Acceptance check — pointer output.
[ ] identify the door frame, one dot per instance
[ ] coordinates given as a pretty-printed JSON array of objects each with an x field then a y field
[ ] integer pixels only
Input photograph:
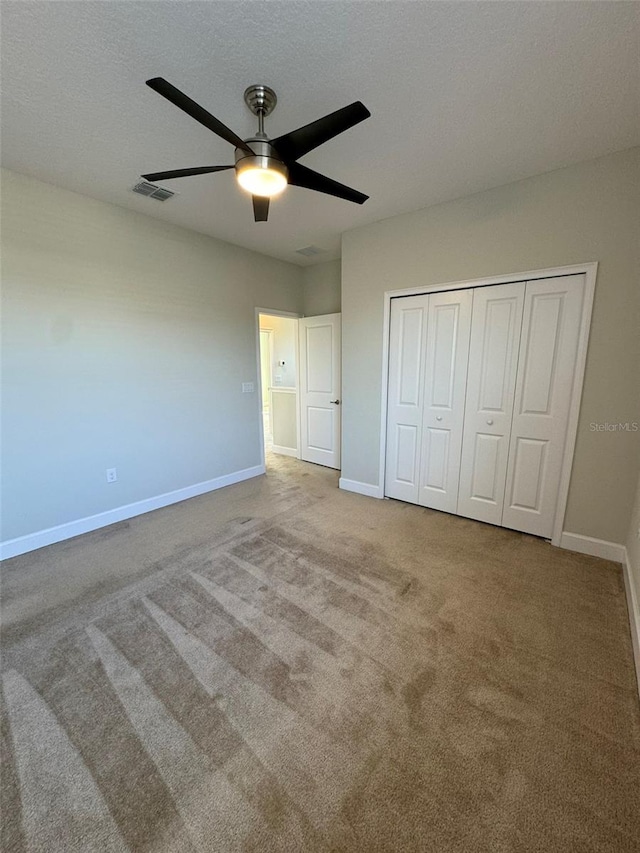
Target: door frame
[
  {"x": 589, "y": 270},
  {"x": 273, "y": 312},
  {"x": 269, "y": 333}
]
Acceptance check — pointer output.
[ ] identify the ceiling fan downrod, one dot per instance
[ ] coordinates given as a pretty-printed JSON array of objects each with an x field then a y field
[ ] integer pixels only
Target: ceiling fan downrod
[{"x": 262, "y": 101}]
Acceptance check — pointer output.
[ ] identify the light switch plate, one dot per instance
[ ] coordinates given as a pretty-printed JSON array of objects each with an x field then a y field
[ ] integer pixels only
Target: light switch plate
[{"x": 247, "y": 387}]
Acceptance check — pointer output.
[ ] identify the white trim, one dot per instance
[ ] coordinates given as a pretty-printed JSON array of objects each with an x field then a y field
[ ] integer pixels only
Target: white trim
[
  {"x": 275, "y": 312},
  {"x": 298, "y": 395},
  {"x": 269, "y": 334},
  {"x": 576, "y": 397},
  {"x": 593, "y": 547},
  {"x": 23, "y": 544},
  {"x": 511, "y": 278},
  {"x": 634, "y": 612},
  {"x": 285, "y": 451},
  {"x": 386, "y": 333},
  {"x": 589, "y": 270},
  {"x": 367, "y": 489}
]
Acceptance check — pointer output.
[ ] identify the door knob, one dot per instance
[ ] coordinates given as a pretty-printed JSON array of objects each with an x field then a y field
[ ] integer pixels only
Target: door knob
[
  {"x": 489, "y": 421},
  {"x": 438, "y": 417},
  {"x": 335, "y": 402}
]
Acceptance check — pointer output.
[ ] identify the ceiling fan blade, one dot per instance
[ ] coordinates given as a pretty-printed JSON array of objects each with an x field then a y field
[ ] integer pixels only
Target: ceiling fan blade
[
  {"x": 164, "y": 88},
  {"x": 294, "y": 145},
  {"x": 260, "y": 208},
  {"x": 184, "y": 173},
  {"x": 301, "y": 176}
]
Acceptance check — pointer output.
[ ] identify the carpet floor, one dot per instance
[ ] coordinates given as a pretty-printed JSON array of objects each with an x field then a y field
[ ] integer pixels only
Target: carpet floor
[{"x": 282, "y": 666}]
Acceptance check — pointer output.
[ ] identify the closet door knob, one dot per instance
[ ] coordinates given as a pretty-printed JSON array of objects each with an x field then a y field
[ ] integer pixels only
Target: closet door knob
[
  {"x": 438, "y": 417},
  {"x": 489, "y": 421},
  {"x": 335, "y": 402}
]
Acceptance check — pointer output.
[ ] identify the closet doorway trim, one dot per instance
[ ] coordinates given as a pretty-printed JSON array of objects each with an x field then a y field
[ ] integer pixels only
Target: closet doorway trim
[{"x": 589, "y": 270}]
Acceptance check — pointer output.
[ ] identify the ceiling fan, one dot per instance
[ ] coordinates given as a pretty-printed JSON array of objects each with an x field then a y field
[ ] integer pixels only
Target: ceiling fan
[{"x": 265, "y": 166}]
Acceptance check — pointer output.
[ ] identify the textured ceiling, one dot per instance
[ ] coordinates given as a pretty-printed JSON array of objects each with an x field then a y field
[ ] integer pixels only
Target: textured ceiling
[{"x": 463, "y": 95}]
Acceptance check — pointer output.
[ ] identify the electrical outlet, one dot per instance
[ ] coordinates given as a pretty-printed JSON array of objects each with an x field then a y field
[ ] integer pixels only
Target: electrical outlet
[
  {"x": 112, "y": 475},
  {"x": 247, "y": 387}
]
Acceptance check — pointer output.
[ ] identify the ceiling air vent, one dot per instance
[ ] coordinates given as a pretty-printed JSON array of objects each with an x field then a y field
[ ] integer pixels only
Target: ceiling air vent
[
  {"x": 310, "y": 251},
  {"x": 152, "y": 191}
]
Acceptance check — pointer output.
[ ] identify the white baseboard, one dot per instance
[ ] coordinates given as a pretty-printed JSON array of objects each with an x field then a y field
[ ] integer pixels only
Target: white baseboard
[
  {"x": 367, "y": 489},
  {"x": 285, "y": 451},
  {"x": 23, "y": 544},
  {"x": 633, "y": 603},
  {"x": 593, "y": 547},
  {"x": 617, "y": 553}
]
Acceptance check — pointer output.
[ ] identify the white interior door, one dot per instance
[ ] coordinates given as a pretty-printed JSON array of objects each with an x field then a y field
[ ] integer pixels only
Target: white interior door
[
  {"x": 550, "y": 330},
  {"x": 320, "y": 380},
  {"x": 405, "y": 396},
  {"x": 493, "y": 359},
  {"x": 445, "y": 379}
]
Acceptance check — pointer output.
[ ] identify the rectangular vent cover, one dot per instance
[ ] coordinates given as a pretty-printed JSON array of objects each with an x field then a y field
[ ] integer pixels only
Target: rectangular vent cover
[
  {"x": 152, "y": 191},
  {"x": 309, "y": 251}
]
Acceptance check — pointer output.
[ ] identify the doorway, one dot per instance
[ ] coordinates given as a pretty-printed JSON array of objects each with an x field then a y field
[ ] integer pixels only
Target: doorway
[
  {"x": 278, "y": 344},
  {"x": 300, "y": 386}
]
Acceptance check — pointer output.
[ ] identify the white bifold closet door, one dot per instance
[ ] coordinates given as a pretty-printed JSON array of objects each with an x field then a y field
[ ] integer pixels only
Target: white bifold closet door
[
  {"x": 544, "y": 385},
  {"x": 480, "y": 386},
  {"x": 429, "y": 344},
  {"x": 405, "y": 395},
  {"x": 493, "y": 362}
]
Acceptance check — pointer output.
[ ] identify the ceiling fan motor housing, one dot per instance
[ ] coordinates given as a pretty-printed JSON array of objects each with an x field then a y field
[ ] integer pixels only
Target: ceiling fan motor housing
[{"x": 265, "y": 157}]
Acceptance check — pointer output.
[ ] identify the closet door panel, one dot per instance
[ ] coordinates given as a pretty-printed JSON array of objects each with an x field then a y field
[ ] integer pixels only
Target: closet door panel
[
  {"x": 445, "y": 376},
  {"x": 436, "y": 447},
  {"x": 493, "y": 359},
  {"x": 485, "y": 467},
  {"x": 405, "y": 396},
  {"x": 549, "y": 343}
]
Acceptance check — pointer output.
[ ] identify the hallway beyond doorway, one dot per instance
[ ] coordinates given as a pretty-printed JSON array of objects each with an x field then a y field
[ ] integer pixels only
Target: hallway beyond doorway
[{"x": 278, "y": 336}]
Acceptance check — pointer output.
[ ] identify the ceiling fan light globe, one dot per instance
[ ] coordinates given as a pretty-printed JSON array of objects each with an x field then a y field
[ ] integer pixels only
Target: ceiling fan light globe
[{"x": 262, "y": 176}]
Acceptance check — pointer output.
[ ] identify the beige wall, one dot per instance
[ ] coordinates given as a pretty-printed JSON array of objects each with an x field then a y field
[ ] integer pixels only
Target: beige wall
[
  {"x": 588, "y": 212},
  {"x": 125, "y": 344},
  {"x": 322, "y": 284}
]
